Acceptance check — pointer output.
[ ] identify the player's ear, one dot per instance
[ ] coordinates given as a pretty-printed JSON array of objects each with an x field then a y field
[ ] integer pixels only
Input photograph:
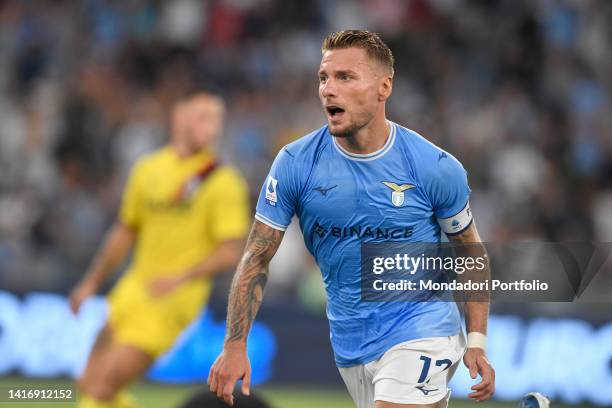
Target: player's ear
[{"x": 385, "y": 87}]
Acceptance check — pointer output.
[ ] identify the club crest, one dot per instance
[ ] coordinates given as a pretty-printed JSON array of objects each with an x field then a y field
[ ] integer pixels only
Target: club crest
[{"x": 397, "y": 196}]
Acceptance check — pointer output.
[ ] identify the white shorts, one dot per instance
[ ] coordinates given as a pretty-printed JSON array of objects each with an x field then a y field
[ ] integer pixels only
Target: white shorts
[{"x": 413, "y": 372}]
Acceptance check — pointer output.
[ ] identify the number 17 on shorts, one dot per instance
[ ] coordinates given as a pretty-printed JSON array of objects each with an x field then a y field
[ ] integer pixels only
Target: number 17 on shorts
[{"x": 413, "y": 372}]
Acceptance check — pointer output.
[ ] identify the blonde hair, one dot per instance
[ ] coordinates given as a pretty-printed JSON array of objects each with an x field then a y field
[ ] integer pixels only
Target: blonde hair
[{"x": 367, "y": 40}]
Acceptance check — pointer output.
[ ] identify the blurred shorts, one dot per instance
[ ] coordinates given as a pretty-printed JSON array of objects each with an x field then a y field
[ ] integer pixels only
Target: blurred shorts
[
  {"x": 147, "y": 323},
  {"x": 413, "y": 372}
]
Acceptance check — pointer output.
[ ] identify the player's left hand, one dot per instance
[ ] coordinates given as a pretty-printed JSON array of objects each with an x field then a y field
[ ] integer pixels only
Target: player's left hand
[
  {"x": 232, "y": 365},
  {"x": 476, "y": 361},
  {"x": 164, "y": 285}
]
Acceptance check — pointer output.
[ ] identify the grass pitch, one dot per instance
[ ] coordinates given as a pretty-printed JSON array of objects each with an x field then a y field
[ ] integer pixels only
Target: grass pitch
[{"x": 153, "y": 395}]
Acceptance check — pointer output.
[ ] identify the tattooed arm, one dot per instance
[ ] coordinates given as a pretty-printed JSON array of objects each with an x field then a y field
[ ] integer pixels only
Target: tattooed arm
[
  {"x": 476, "y": 314},
  {"x": 248, "y": 284},
  {"x": 476, "y": 303},
  {"x": 245, "y": 298}
]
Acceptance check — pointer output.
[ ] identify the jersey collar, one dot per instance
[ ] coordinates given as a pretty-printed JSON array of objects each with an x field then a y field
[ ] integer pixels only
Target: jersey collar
[{"x": 369, "y": 156}]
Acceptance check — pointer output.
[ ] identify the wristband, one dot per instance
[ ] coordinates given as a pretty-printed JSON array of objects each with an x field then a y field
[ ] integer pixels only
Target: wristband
[{"x": 477, "y": 340}]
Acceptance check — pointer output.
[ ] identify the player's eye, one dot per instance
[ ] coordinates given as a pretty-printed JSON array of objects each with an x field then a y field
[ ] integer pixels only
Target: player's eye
[
  {"x": 322, "y": 78},
  {"x": 344, "y": 77}
]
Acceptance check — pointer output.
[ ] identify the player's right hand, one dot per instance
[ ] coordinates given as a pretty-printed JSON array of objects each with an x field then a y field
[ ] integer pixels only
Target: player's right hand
[
  {"x": 476, "y": 362},
  {"x": 79, "y": 294},
  {"x": 232, "y": 365}
]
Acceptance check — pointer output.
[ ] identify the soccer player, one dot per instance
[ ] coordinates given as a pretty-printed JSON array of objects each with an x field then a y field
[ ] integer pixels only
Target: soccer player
[
  {"x": 346, "y": 181},
  {"x": 185, "y": 215}
]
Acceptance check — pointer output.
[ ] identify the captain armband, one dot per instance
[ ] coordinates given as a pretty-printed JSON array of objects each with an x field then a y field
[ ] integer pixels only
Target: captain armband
[{"x": 457, "y": 223}]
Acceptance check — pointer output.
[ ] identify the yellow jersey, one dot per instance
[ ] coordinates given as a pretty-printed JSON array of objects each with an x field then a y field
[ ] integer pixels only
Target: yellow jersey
[
  {"x": 180, "y": 209},
  {"x": 179, "y": 214}
]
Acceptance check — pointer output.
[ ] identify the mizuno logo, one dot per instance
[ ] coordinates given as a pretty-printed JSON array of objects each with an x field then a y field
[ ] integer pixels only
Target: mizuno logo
[
  {"x": 323, "y": 190},
  {"x": 424, "y": 390}
]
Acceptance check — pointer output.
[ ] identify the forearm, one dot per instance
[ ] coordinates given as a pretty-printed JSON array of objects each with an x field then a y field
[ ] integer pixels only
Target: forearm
[
  {"x": 476, "y": 316},
  {"x": 475, "y": 302},
  {"x": 248, "y": 285},
  {"x": 476, "y": 307},
  {"x": 117, "y": 245},
  {"x": 224, "y": 257}
]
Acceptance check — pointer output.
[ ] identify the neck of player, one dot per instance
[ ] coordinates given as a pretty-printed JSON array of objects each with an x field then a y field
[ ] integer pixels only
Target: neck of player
[
  {"x": 369, "y": 138},
  {"x": 182, "y": 148}
]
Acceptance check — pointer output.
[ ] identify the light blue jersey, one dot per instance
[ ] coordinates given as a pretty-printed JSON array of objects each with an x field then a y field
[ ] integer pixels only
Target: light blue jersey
[{"x": 344, "y": 199}]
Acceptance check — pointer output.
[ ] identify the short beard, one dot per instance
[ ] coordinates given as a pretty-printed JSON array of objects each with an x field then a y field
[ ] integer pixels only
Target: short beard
[{"x": 350, "y": 132}]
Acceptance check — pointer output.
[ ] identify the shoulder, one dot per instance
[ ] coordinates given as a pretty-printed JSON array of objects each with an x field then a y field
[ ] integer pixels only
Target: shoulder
[
  {"x": 431, "y": 161},
  {"x": 225, "y": 181},
  {"x": 228, "y": 176},
  {"x": 308, "y": 147},
  {"x": 147, "y": 164},
  {"x": 418, "y": 146},
  {"x": 152, "y": 160}
]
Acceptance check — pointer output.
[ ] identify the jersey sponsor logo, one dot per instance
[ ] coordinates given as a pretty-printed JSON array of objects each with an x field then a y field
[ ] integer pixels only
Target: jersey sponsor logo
[
  {"x": 324, "y": 190},
  {"x": 319, "y": 230},
  {"x": 397, "y": 196},
  {"x": 271, "y": 197},
  {"x": 359, "y": 231},
  {"x": 442, "y": 155}
]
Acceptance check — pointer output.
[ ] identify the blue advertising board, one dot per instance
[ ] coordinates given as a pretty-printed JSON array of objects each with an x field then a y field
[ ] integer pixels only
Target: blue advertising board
[{"x": 568, "y": 359}]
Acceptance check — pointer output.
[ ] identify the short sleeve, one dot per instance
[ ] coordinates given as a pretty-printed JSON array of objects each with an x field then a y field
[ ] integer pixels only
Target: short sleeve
[
  {"x": 278, "y": 196},
  {"x": 449, "y": 193},
  {"x": 130, "y": 213},
  {"x": 230, "y": 207}
]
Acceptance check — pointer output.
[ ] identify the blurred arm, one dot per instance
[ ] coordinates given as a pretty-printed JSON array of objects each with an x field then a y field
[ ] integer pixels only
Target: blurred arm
[
  {"x": 225, "y": 256},
  {"x": 117, "y": 245},
  {"x": 115, "y": 249},
  {"x": 247, "y": 289}
]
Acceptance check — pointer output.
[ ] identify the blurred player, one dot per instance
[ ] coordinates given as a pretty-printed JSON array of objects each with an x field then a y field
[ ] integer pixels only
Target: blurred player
[
  {"x": 186, "y": 216},
  {"x": 357, "y": 179}
]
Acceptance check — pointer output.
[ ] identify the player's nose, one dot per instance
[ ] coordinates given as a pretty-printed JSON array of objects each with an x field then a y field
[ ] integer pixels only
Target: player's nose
[{"x": 327, "y": 88}]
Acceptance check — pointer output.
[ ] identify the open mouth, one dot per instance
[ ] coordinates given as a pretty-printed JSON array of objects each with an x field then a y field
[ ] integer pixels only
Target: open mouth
[{"x": 334, "y": 111}]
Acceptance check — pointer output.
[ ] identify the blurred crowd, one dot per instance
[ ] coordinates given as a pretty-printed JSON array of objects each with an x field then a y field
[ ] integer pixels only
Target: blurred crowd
[{"x": 517, "y": 90}]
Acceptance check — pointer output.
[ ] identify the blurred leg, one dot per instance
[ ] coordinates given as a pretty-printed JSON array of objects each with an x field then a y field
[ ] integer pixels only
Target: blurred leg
[
  {"x": 110, "y": 369},
  {"x": 122, "y": 400},
  {"x": 95, "y": 360}
]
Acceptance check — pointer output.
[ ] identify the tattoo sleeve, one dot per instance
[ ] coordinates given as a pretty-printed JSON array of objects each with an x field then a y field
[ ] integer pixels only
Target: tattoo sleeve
[{"x": 248, "y": 285}]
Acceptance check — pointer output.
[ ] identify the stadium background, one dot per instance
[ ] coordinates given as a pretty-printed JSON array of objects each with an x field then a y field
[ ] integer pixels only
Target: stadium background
[{"x": 519, "y": 91}]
